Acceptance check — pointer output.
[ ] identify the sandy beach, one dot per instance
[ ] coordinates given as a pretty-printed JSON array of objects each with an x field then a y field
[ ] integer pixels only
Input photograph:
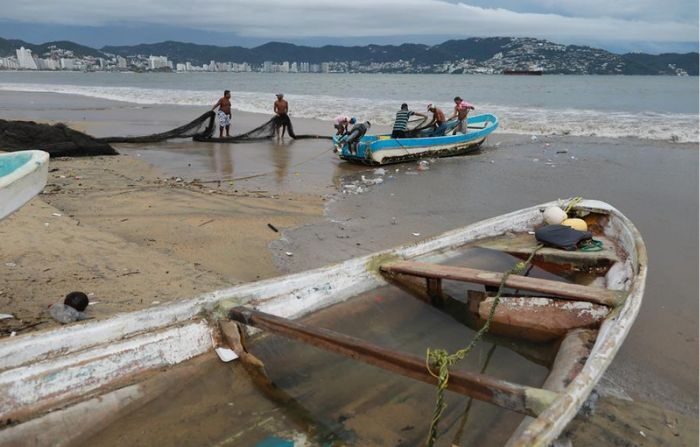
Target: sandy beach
[{"x": 171, "y": 220}]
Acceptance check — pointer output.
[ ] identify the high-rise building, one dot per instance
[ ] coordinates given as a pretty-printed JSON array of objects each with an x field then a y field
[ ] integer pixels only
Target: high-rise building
[
  {"x": 157, "y": 62},
  {"x": 121, "y": 62},
  {"x": 25, "y": 59}
]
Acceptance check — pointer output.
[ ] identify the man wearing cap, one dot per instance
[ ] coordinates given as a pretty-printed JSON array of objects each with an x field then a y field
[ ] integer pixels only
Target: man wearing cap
[
  {"x": 341, "y": 123},
  {"x": 438, "y": 121},
  {"x": 281, "y": 109}
]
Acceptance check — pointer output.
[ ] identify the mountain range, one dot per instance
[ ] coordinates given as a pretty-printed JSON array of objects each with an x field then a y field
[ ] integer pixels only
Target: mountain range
[{"x": 508, "y": 52}]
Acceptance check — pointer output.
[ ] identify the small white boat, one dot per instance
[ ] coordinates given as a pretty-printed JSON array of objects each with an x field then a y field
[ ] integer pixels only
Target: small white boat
[
  {"x": 22, "y": 176},
  {"x": 88, "y": 369}
]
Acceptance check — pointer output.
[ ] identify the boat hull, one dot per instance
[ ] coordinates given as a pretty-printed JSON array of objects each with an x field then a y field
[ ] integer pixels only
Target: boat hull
[
  {"x": 45, "y": 370},
  {"x": 22, "y": 176},
  {"x": 381, "y": 150}
]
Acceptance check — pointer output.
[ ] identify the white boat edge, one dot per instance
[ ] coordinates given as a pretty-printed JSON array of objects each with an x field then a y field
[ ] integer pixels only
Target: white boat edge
[
  {"x": 23, "y": 183},
  {"x": 45, "y": 369}
]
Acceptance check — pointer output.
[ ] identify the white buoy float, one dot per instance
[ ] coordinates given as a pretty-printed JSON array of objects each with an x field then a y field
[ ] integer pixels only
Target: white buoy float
[{"x": 554, "y": 215}]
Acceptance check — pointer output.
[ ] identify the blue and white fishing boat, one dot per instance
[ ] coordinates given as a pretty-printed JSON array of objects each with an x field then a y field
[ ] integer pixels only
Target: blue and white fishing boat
[
  {"x": 382, "y": 149},
  {"x": 22, "y": 176}
]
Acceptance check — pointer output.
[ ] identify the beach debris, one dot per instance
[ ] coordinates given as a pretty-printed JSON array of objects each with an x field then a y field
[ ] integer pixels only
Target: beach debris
[
  {"x": 205, "y": 223},
  {"x": 225, "y": 355},
  {"x": 372, "y": 181},
  {"x": 394, "y": 221},
  {"x": 56, "y": 214},
  {"x": 535, "y": 160},
  {"x": 10, "y": 265},
  {"x": 65, "y": 314},
  {"x": 416, "y": 234},
  {"x": 6, "y": 316},
  {"x": 493, "y": 162},
  {"x": 423, "y": 165},
  {"x": 380, "y": 171},
  {"x": 273, "y": 228},
  {"x": 533, "y": 138},
  {"x": 563, "y": 151},
  {"x": 411, "y": 173},
  {"x": 289, "y": 253},
  {"x": 155, "y": 302}
]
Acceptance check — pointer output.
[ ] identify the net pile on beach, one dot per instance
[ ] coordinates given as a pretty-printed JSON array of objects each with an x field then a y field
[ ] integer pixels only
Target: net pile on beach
[{"x": 58, "y": 140}]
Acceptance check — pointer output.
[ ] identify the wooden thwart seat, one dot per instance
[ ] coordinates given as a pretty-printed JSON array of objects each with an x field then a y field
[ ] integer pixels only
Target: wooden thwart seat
[
  {"x": 555, "y": 288},
  {"x": 519, "y": 398}
]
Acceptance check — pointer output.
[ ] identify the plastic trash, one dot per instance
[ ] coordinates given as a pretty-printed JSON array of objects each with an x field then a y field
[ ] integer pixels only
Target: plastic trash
[
  {"x": 380, "y": 171},
  {"x": 423, "y": 165},
  {"x": 65, "y": 314}
]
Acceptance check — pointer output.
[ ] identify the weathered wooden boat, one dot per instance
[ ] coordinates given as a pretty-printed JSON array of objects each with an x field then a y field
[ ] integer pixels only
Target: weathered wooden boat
[
  {"x": 22, "y": 176},
  {"x": 382, "y": 149},
  {"x": 89, "y": 370}
]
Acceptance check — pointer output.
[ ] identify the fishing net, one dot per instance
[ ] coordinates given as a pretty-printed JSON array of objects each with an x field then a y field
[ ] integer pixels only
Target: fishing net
[
  {"x": 201, "y": 127},
  {"x": 262, "y": 132},
  {"x": 58, "y": 140}
]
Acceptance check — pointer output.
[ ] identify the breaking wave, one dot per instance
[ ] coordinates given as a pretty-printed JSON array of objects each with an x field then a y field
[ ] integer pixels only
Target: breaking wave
[{"x": 677, "y": 127}]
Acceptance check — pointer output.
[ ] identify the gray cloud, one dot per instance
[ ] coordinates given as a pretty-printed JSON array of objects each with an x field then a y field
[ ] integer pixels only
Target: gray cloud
[{"x": 620, "y": 20}]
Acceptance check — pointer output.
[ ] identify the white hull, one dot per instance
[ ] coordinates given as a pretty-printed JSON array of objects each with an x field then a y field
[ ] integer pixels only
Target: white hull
[
  {"x": 43, "y": 370},
  {"x": 19, "y": 182}
]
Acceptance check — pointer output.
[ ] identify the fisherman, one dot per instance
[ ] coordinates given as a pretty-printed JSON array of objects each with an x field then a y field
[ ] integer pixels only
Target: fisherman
[
  {"x": 281, "y": 108},
  {"x": 352, "y": 138},
  {"x": 401, "y": 121},
  {"x": 438, "y": 121},
  {"x": 224, "y": 113},
  {"x": 341, "y": 123},
  {"x": 461, "y": 111}
]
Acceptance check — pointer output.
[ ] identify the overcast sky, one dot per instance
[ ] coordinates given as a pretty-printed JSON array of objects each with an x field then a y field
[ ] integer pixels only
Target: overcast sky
[{"x": 617, "y": 23}]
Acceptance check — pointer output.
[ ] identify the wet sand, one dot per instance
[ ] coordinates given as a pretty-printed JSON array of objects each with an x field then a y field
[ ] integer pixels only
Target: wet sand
[{"x": 654, "y": 183}]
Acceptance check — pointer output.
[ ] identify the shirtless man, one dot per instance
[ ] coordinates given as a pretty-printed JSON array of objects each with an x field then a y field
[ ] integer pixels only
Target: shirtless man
[
  {"x": 438, "y": 121},
  {"x": 224, "y": 113},
  {"x": 281, "y": 108},
  {"x": 462, "y": 109}
]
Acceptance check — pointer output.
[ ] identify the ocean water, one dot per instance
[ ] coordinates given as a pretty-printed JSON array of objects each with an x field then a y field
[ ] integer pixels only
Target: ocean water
[{"x": 645, "y": 107}]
